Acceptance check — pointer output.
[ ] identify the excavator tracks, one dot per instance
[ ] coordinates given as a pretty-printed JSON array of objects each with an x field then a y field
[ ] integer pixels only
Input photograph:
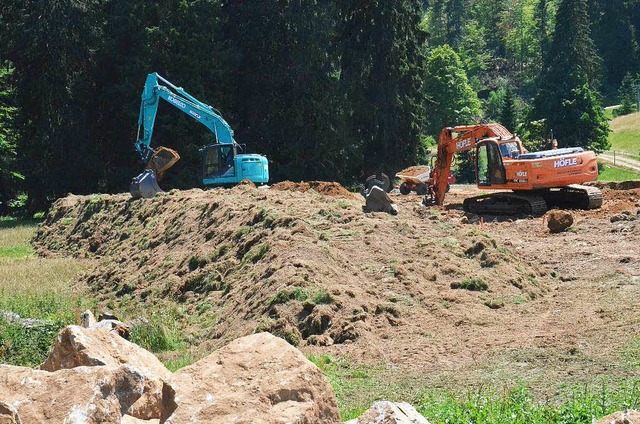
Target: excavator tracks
[
  {"x": 506, "y": 204},
  {"x": 582, "y": 196},
  {"x": 574, "y": 196}
]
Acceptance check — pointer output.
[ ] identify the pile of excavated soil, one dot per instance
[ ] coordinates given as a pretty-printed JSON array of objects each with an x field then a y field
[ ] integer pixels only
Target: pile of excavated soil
[
  {"x": 322, "y": 187},
  {"x": 414, "y": 171},
  {"x": 420, "y": 288}
]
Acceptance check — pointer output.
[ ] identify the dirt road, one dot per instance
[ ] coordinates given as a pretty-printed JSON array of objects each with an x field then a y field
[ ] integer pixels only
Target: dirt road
[{"x": 618, "y": 160}]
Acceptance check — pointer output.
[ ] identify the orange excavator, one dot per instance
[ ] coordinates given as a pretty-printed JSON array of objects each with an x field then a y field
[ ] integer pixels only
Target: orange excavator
[{"x": 537, "y": 180}]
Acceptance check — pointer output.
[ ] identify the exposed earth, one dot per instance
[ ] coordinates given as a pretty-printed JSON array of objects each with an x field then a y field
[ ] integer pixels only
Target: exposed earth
[{"x": 453, "y": 298}]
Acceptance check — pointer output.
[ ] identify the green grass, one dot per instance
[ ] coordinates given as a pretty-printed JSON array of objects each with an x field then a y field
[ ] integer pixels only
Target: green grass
[
  {"x": 156, "y": 336},
  {"x": 34, "y": 287},
  {"x": 625, "y": 134},
  {"x": 472, "y": 284},
  {"x": 614, "y": 173},
  {"x": 358, "y": 386}
]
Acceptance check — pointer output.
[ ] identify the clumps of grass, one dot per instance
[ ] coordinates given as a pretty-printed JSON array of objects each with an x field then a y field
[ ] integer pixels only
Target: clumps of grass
[
  {"x": 471, "y": 284},
  {"x": 220, "y": 252},
  {"x": 181, "y": 360},
  {"x": 449, "y": 242},
  {"x": 196, "y": 262},
  {"x": 344, "y": 204},
  {"x": 318, "y": 296},
  {"x": 155, "y": 336},
  {"x": 322, "y": 297},
  {"x": 256, "y": 253},
  {"x": 205, "y": 283},
  {"x": 389, "y": 308},
  {"x": 241, "y": 233},
  {"x": 494, "y": 303}
]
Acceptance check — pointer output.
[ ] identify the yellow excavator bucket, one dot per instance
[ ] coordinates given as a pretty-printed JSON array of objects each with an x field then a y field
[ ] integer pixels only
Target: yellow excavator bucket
[{"x": 162, "y": 159}]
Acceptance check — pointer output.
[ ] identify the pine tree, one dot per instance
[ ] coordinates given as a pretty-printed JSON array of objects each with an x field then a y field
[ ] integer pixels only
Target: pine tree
[
  {"x": 616, "y": 42},
  {"x": 381, "y": 75},
  {"x": 8, "y": 157},
  {"x": 542, "y": 26},
  {"x": 627, "y": 96},
  {"x": 567, "y": 99},
  {"x": 54, "y": 60},
  {"x": 509, "y": 113},
  {"x": 284, "y": 86}
]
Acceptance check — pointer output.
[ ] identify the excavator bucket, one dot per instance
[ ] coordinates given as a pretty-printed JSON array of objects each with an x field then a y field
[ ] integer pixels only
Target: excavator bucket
[
  {"x": 162, "y": 159},
  {"x": 145, "y": 185}
]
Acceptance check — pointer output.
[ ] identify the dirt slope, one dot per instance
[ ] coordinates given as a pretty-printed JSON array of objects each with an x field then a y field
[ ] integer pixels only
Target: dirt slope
[
  {"x": 304, "y": 262},
  {"x": 304, "y": 265}
]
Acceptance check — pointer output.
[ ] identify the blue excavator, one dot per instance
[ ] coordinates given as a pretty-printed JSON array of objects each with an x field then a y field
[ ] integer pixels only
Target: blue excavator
[{"x": 222, "y": 165}]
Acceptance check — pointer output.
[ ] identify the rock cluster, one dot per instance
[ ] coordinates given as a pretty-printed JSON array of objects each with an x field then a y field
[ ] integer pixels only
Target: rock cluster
[{"x": 93, "y": 375}]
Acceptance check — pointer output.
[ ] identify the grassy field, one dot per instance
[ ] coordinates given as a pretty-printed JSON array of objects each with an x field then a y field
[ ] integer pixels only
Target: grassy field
[
  {"x": 614, "y": 173},
  {"x": 357, "y": 387},
  {"x": 34, "y": 287},
  {"x": 625, "y": 134}
]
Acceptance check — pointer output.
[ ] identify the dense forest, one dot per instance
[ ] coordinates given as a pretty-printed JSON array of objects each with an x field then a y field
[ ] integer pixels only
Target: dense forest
[{"x": 326, "y": 89}]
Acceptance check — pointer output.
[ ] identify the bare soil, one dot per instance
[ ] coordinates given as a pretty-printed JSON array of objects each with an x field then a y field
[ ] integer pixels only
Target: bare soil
[{"x": 460, "y": 299}]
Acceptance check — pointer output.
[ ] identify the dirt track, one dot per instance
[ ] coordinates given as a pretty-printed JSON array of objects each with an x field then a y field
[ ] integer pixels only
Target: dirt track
[{"x": 314, "y": 269}]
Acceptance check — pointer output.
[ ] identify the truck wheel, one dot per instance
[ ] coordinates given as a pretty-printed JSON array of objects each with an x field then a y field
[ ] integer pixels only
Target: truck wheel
[
  {"x": 422, "y": 189},
  {"x": 404, "y": 189}
]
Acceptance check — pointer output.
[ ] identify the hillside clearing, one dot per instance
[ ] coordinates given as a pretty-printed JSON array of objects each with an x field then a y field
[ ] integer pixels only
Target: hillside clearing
[{"x": 625, "y": 134}]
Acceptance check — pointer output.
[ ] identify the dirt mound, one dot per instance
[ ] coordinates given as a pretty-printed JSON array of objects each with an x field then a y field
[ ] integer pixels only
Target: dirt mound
[
  {"x": 414, "y": 171},
  {"x": 312, "y": 269},
  {"x": 322, "y": 187},
  {"x": 615, "y": 185}
]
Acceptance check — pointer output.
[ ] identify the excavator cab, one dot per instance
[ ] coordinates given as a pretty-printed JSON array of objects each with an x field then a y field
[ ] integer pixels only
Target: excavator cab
[
  {"x": 218, "y": 160},
  {"x": 489, "y": 167}
]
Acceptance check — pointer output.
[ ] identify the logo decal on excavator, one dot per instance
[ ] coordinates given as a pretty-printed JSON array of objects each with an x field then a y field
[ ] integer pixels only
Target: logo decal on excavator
[
  {"x": 561, "y": 163},
  {"x": 195, "y": 114},
  {"x": 521, "y": 174},
  {"x": 176, "y": 102},
  {"x": 463, "y": 143}
]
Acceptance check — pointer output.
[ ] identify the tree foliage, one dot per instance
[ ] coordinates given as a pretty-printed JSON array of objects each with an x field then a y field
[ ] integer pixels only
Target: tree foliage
[
  {"x": 628, "y": 96},
  {"x": 567, "y": 99},
  {"x": 381, "y": 76},
  {"x": 325, "y": 89},
  {"x": 450, "y": 99},
  {"x": 9, "y": 174}
]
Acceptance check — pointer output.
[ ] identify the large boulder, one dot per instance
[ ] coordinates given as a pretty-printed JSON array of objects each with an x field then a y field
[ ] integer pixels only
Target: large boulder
[
  {"x": 559, "y": 221},
  {"x": 255, "y": 379},
  {"x": 621, "y": 417},
  {"x": 385, "y": 412},
  {"x": 77, "y": 346},
  {"x": 88, "y": 395}
]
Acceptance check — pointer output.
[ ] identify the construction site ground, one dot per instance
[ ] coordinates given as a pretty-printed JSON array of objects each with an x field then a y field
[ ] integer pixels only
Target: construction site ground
[{"x": 432, "y": 294}]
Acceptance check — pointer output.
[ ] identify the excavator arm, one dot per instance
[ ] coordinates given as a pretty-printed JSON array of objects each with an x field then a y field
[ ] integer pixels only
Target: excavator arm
[
  {"x": 156, "y": 88},
  {"x": 460, "y": 139}
]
